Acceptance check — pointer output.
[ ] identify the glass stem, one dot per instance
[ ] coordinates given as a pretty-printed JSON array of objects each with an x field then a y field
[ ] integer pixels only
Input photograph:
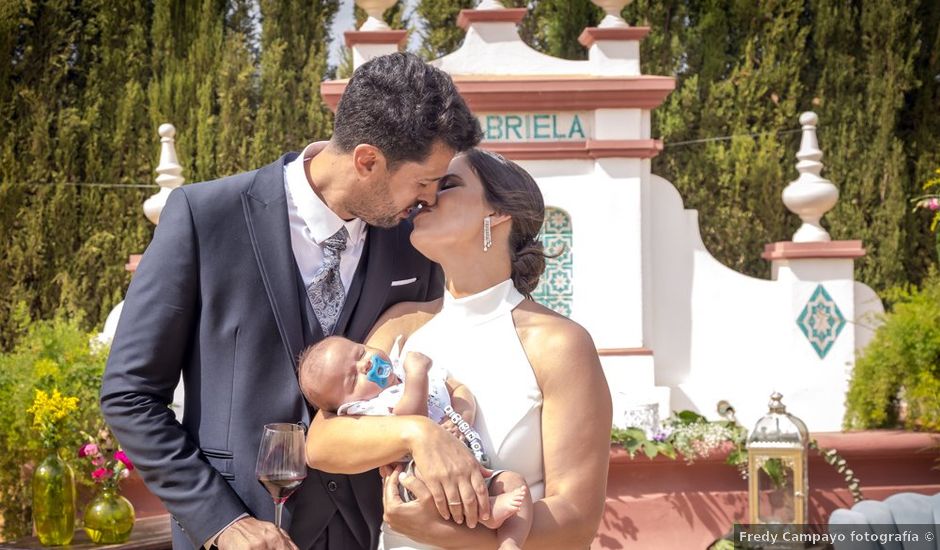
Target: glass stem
[{"x": 278, "y": 508}]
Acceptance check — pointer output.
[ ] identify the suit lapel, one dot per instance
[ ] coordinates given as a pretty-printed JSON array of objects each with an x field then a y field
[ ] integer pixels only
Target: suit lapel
[
  {"x": 370, "y": 286},
  {"x": 265, "y": 206}
]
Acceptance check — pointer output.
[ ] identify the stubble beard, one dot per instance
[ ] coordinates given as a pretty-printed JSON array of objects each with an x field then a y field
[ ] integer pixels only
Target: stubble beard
[{"x": 375, "y": 207}]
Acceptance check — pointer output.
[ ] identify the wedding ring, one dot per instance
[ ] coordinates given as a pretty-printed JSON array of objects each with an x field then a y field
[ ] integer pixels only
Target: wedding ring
[{"x": 458, "y": 503}]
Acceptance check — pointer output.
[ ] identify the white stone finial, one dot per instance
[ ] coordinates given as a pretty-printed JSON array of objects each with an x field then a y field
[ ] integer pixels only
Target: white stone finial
[
  {"x": 490, "y": 5},
  {"x": 170, "y": 174},
  {"x": 612, "y": 9},
  {"x": 375, "y": 9},
  {"x": 810, "y": 196}
]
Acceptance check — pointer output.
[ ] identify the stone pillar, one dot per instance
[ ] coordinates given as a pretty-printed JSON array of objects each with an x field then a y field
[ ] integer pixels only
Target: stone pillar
[
  {"x": 374, "y": 38},
  {"x": 810, "y": 196},
  {"x": 613, "y": 45},
  {"x": 827, "y": 307},
  {"x": 169, "y": 177}
]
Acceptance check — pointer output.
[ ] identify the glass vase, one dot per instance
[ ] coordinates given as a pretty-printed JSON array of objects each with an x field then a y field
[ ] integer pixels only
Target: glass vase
[
  {"x": 54, "y": 501},
  {"x": 109, "y": 518}
]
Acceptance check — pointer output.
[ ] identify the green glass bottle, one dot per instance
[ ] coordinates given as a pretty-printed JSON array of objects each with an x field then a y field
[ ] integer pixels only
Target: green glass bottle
[
  {"x": 109, "y": 518},
  {"x": 54, "y": 501}
]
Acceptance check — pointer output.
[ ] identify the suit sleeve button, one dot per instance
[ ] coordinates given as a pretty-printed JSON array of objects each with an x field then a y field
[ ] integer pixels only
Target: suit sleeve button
[{"x": 331, "y": 486}]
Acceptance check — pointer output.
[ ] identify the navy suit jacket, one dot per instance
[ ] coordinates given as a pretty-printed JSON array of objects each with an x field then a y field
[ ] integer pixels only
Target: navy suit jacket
[{"x": 216, "y": 300}]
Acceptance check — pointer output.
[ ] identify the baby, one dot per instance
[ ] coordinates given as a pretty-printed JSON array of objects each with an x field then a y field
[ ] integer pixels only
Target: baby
[{"x": 346, "y": 378}]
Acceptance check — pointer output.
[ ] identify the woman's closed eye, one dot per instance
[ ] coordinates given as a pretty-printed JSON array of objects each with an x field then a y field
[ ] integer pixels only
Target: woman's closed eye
[{"x": 449, "y": 182}]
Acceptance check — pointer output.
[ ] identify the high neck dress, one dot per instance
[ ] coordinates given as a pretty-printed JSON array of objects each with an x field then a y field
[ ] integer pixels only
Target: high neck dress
[{"x": 475, "y": 339}]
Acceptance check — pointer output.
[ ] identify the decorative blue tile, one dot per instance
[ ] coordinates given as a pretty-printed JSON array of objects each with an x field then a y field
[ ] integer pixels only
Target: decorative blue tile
[
  {"x": 555, "y": 287},
  {"x": 821, "y": 321}
]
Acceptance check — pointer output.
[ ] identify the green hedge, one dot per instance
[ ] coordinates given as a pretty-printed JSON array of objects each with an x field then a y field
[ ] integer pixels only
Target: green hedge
[{"x": 896, "y": 381}]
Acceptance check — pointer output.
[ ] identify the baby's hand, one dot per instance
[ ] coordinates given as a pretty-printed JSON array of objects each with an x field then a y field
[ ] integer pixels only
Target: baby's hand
[
  {"x": 452, "y": 428},
  {"x": 417, "y": 364}
]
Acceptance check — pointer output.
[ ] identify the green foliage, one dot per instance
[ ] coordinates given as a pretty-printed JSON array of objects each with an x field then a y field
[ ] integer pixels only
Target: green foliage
[
  {"x": 50, "y": 355},
  {"x": 83, "y": 88},
  {"x": 896, "y": 380}
]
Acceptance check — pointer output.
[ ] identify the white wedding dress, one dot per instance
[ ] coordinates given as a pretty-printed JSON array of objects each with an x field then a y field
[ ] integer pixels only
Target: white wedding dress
[{"x": 475, "y": 339}]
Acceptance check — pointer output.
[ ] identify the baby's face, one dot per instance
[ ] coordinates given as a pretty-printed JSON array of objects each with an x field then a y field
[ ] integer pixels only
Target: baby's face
[{"x": 353, "y": 362}]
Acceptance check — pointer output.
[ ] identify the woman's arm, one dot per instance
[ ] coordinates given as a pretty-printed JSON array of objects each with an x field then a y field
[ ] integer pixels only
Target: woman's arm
[{"x": 576, "y": 419}]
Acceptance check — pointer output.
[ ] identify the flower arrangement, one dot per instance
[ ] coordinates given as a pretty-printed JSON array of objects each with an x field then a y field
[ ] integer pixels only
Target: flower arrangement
[
  {"x": 691, "y": 435},
  {"x": 50, "y": 414},
  {"x": 108, "y": 463}
]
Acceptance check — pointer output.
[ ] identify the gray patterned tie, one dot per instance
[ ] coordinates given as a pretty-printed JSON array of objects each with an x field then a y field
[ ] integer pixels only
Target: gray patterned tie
[{"x": 326, "y": 291}]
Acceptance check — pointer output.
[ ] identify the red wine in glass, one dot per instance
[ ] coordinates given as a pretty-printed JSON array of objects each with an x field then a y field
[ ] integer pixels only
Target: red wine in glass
[
  {"x": 282, "y": 463},
  {"x": 280, "y": 487}
]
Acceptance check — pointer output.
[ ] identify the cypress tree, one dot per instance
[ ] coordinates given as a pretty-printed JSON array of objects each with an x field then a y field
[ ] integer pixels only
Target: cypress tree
[
  {"x": 238, "y": 96},
  {"x": 919, "y": 127},
  {"x": 294, "y": 38},
  {"x": 440, "y": 34},
  {"x": 738, "y": 69},
  {"x": 865, "y": 53},
  {"x": 38, "y": 238},
  {"x": 561, "y": 23}
]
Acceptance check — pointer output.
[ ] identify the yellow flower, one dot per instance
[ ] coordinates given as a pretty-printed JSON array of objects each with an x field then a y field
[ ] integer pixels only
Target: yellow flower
[{"x": 49, "y": 410}]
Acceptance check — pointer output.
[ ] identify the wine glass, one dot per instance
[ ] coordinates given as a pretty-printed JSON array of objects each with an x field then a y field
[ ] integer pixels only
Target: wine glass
[{"x": 282, "y": 464}]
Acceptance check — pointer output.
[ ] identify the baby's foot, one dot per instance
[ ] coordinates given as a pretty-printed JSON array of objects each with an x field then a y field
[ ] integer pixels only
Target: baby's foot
[{"x": 504, "y": 506}]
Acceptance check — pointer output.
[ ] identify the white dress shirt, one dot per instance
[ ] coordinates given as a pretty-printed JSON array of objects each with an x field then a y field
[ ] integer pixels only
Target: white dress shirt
[{"x": 312, "y": 222}]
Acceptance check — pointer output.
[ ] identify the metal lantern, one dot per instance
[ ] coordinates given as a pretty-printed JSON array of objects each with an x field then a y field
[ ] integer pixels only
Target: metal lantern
[{"x": 776, "y": 467}]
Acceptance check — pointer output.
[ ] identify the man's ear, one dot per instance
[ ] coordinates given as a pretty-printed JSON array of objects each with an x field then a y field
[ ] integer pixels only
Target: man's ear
[{"x": 368, "y": 160}]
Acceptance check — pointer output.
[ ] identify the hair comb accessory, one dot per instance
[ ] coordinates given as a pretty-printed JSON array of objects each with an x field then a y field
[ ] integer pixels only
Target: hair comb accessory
[{"x": 380, "y": 371}]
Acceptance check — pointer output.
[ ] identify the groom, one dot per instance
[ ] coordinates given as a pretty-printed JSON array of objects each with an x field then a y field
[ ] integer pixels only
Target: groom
[{"x": 243, "y": 273}]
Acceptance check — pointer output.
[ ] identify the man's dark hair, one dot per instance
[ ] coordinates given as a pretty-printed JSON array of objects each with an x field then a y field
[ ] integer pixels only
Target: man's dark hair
[{"x": 402, "y": 105}]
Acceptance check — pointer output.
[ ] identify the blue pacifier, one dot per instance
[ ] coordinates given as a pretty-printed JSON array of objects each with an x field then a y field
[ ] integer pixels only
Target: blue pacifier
[{"x": 380, "y": 371}]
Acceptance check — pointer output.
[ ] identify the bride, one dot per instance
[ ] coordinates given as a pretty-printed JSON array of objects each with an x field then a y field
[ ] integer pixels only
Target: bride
[{"x": 543, "y": 404}]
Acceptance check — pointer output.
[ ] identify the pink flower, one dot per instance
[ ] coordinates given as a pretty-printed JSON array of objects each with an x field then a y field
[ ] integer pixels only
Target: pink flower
[
  {"x": 933, "y": 203},
  {"x": 98, "y": 460},
  {"x": 88, "y": 449},
  {"x": 101, "y": 474},
  {"x": 120, "y": 455}
]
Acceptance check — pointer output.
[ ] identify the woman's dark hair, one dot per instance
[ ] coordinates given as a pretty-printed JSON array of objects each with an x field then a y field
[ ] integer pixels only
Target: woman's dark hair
[
  {"x": 402, "y": 105},
  {"x": 511, "y": 190}
]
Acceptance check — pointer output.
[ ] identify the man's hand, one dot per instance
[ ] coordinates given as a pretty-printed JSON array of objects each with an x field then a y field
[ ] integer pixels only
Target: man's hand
[
  {"x": 416, "y": 364},
  {"x": 253, "y": 534},
  {"x": 408, "y": 518},
  {"x": 453, "y": 478}
]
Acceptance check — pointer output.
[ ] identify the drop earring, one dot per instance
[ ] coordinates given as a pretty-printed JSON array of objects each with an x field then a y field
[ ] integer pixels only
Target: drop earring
[{"x": 487, "y": 234}]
